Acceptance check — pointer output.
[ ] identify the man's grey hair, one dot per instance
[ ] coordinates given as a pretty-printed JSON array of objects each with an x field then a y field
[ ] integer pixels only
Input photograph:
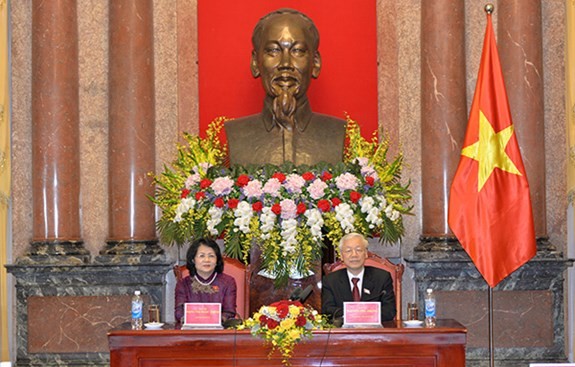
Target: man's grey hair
[
  {"x": 312, "y": 29},
  {"x": 350, "y": 236}
]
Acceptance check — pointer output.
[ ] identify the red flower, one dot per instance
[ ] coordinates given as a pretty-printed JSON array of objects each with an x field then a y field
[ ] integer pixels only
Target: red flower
[
  {"x": 185, "y": 193},
  {"x": 300, "y": 321},
  {"x": 219, "y": 203},
  {"x": 280, "y": 176},
  {"x": 200, "y": 195},
  {"x": 263, "y": 319},
  {"x": 324, "y": 205},
  {"x": 257, "y": 206},
  {"x": 282, "y": 310},
  {"x": 205, "y": 183},
  {"x": 335, "y": 201},
  {"x": 277, "y": 209},
  {"x": 326, "y": 176},
  {"x": 369, "y": 180},
  {"x": 354, "y": 196},
  {"x": 301, "y": 208},
  {"x": 233, "y": 203},
  {"x": 308, "y": 176},
  {"x": 272, "y": 324},
  {"x": 242, "y": 180}
]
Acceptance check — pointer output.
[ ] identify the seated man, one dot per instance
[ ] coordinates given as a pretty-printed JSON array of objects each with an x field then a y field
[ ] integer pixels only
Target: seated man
[{"x": 356, "y": 282}]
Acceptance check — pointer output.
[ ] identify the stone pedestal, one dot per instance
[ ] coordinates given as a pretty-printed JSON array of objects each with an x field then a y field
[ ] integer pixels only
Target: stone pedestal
[
  {"x": 65, "y": 311},
  {"x": 528, "y": 311}
]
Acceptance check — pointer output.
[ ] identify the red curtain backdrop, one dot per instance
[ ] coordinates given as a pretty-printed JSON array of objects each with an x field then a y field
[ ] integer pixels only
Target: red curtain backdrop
[{"x": 348, "y": 79}]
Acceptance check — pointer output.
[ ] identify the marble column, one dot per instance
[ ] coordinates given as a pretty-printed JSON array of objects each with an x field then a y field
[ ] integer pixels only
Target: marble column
[
  {"x": 56, "y": 234},
  {"x": 443, "y": 113},
  {"x": 519, "y": 38},
  {"x": 131, "y": 151}
]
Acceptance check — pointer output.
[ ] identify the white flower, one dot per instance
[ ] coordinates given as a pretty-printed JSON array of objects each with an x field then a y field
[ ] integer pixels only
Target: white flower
[
  {"x": 243, "y": 214},
  {"x": 268, "y": 221},
  {"x": 215, "y": 215},
  {"x": 315, "y": 223},
  {"x": 344, "y": 214},
  {"x": 183, "y": 207},
  {"x": 288, "y": 233}
]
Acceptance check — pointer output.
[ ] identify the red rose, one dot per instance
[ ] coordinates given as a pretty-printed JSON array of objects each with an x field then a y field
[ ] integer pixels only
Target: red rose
[
  {"x": 277, "y": 209},
  {"x": 257, "y": 206},
  {"x": 301, "y": 208},
  {"x": 300, "y": 321},
  {"x": 369, "y": 180},
  {"x": 326, "y": 176},
  {"x": 263, "y": 320},
  {"x": 280, "y": 176},
  {"x": 335, "y": 201},
  {"x": 324, "y": 205},
  {"x": 272, "y": 324},
  {"x": 233, "y": 203},
  {"x": 219, "y": 203},
  {"x": 282, "y": 310},
  {"x": 354, "y": 196},
  {"x": 242, "y": 180},
  {"x": 185, "y": 193},
  {"x": 200, "y": 195},
  {"x": 308, "y": 176},
  {"x": 205, "y": 183}
]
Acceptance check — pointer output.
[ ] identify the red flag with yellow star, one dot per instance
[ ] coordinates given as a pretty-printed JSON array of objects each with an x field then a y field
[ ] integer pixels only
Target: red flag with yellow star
[{"x": 489, "y": 206}]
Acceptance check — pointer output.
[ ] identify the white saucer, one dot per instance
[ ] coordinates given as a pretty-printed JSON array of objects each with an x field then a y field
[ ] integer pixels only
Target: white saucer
[
  {"x": 413, "y": 322},
  {"x": 154, "y": 325}
]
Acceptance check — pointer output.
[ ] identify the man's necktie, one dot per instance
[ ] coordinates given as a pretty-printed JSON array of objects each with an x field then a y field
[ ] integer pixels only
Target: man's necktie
[{"x": 355, "y": 292}]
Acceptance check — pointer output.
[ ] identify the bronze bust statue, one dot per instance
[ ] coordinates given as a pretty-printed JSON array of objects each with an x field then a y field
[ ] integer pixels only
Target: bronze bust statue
[{"x": 285, "y": 55}]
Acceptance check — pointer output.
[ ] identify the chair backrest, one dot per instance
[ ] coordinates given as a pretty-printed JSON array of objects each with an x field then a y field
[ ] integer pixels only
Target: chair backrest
[
  {"x": 396, "y": 271},
  {"x": 235, "y": 269}
]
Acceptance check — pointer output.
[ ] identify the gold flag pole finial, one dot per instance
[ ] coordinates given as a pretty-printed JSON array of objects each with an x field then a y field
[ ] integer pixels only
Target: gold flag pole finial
[{"x": 489, "y": 8}]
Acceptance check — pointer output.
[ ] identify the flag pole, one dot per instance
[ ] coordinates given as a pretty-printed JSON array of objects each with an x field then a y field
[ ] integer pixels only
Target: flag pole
[
  {"x": 489, "y": 8},
  {"x": 490, "y": 321}
]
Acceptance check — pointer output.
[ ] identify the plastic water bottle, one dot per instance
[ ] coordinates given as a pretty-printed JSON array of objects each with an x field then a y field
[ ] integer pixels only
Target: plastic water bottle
[
  {"x": 429, "y": 308},
  {"x": 137, "y": 308}
]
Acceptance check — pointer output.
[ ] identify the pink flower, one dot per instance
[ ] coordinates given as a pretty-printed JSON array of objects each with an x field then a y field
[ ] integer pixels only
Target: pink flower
[
  {"x": 253, "y": 189},
  {"x": 289, "y": 209},
  {"x": 317, "y": 189},
  {"x": 272, "y": 187},
  {"x": 192, "y": 180},
  {"x": 222, "y": 185},
  {"x": 346, "y": 181},
  {"x": 294, "y": 183}
]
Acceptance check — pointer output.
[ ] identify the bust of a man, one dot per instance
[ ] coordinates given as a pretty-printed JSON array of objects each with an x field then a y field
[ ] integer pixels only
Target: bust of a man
[{"x": 286, "y": 57}]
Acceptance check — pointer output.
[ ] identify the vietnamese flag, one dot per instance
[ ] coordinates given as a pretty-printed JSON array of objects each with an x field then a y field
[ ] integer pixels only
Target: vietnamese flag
[{"x": 490, "y": 207}]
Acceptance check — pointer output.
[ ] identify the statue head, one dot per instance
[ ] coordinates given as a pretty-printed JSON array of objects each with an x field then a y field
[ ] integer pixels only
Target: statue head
[{"x": 285, "y": 55}]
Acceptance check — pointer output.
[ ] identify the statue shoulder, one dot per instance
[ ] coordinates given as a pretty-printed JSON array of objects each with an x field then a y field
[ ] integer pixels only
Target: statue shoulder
[
  {"x": 332, "y": 121},
  {"x": 243, "y": 123}
]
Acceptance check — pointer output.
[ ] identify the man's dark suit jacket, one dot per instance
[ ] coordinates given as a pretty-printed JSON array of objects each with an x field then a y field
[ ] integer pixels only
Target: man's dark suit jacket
[{"x": 336, "y": 290}]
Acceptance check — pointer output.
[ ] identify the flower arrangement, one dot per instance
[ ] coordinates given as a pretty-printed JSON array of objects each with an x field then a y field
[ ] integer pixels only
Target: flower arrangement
[
  {"x": 287, "y": 211},
  {"x": 283, "y": 324}
]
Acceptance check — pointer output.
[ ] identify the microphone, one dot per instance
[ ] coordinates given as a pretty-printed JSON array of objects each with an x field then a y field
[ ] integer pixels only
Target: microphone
[
  {"x": 305, "y": 293},
  {"x": 301, "y": 295},
  {"x": 295, "y": 294}
]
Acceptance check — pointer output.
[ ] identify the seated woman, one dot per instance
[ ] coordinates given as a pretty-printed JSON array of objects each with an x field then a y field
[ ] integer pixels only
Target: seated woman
[{"x": 206, "y": 282}]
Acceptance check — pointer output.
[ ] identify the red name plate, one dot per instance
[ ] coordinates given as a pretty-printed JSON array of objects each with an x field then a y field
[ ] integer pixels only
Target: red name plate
[
  {"x": 361, "y": 313},
  {"x": 203, "y": 314}
]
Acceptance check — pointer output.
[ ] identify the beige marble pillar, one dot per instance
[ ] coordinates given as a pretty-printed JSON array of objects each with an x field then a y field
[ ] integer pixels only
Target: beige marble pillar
[
  {"x": 443, "y": 111},
  {"x": 131, "y": 134},
  {"x": 55, "y": 135},
  {"x": 519, "y": 38}
]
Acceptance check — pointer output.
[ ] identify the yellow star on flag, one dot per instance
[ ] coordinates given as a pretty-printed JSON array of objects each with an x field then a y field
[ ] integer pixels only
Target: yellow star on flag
[{"x": 489, "y": 151}]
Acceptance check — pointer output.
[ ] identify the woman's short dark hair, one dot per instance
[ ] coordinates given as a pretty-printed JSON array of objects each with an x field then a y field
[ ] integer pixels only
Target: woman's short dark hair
[{"x": 193, "y": 250}]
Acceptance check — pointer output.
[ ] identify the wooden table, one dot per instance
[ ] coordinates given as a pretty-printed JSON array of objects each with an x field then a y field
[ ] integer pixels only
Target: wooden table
[{"x": 393, "y": 345}]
